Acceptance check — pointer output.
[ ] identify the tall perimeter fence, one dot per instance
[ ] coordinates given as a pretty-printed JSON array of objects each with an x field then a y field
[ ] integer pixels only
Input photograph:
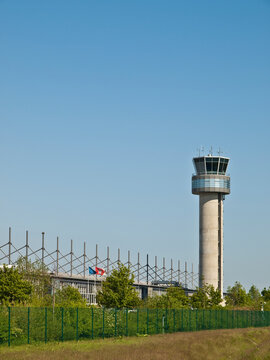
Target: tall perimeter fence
[{"x": 22, "y": 325}]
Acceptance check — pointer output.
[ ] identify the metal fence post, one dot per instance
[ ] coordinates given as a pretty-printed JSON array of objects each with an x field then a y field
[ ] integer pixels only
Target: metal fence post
[
  {"x": 166, "y": 320},
  {"x": 182, "y": 320},
  {"x": 147, "y": 268},
  {"x": 115, "y": 322},
  {"x": 92, "y": 323},
  {"x": 77, "y": 324},
  {"x": 203, "y": 324},
  {"x": 71, "y": 257},
  {"x": 138, "y": 320},
  {"x": 103, "y": 322},
  {"x": 155, "y": 268},
  {"x": 9, "y": 315},
  {"x": 57, "y": 255},
  {"x": 173, "y": 320},
  {"x": 62, "y": 327},
  {"x": 108, "y": 260},
  {"x": 42, "y": 251},
  {"x": 45, "y": 318},
  {"x": 163, "y": 323},
  {"x": 157, "y": 322},
  {"x": 138, "y": 268},
  {"x": 26, "y": 250},
  {"x": 84, "y": 258},
  {"x": 28, "y": 326},
  {"x": 126, "y": 322},
  {"x": 147, "y": 325},
  {"x": 9, "y": 246}
]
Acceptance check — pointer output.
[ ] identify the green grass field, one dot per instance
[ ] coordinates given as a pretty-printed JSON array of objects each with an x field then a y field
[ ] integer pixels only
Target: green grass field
[{"x": 236, "y": 344}]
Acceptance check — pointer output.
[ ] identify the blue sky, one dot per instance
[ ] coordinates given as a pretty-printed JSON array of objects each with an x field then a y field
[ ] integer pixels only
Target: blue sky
[{"x": 102, "y": 107}]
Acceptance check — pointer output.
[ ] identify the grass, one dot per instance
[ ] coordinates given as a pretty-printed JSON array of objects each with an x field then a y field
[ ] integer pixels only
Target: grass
[{"x": 244, "y": 344}]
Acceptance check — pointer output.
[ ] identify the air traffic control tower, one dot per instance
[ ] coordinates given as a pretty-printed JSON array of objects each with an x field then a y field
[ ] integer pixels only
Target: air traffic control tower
[{"x": 212, "y": 184}]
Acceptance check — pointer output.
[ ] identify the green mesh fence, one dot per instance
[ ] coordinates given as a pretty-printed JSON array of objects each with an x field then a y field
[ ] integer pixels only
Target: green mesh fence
[{"x": 22, "y": 325}]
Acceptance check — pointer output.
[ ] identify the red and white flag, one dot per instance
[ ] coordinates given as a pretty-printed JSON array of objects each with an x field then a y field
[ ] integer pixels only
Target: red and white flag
[{"x": 99, "y": 271}]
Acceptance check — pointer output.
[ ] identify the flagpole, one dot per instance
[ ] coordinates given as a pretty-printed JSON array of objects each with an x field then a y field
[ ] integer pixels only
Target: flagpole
[
  {"x": 88, "y": 287},
  {"x": 96, "y": 273}
]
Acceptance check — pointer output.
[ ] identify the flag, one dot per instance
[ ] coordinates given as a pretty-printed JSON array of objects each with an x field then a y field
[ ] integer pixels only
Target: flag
[
  {"x": 99, "y": 271},
  {"x": 92, "y": 271}
]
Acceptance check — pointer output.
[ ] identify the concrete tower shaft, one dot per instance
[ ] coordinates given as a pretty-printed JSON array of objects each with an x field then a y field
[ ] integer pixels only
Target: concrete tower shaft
[
  {"x": 211, "y": 184},
  {"x": 211, "y": 240}
]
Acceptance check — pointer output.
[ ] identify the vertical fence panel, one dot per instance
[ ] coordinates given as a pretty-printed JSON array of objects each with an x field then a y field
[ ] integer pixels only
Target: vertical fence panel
[
  {"x": 77, "y": 324},
  {"x": 9, "y": 325},
  {"x": 62, "y": 323},
  {"x": 115, "y": 322},
  {"x": 166, "y": 321},
  {"x": 103, "y": 323},
  {"x": 126, "y": 322},
  {"x": 92, "y": 322},
  {"x": 156, "y": 321},
  {"x": 28, "y": 325},
  {"x": 138, "y": 319},
  {"x": 45, "y": 325}
]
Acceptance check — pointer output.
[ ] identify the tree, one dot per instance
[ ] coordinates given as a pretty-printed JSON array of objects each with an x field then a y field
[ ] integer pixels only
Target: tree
[
  {"x": 215, "y": 297},
  {"x": 236, "y": 295},
  {"x": 174, "y": 298},
  {"x": 69, "y": 297},
  {"x": 255, "y": 298},
  {"x": 38, "y": 275},
  {"x": 266, "y": 294},
  {"x": 13, "y": 288},
  {"x": 206, "y": 297},
  {"x": 117, "y": 290}
]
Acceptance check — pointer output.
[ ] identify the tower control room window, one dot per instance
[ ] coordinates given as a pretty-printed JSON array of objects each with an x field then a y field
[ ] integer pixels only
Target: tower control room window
[
  {"x": 212, "y": 165},
  {"x": 223, "y": 166},
  {"x": 199, "y": 165},
  {"x": 215, "y": 165}
]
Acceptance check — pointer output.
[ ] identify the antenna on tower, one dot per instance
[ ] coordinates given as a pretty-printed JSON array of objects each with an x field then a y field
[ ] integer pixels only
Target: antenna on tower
[
  {"x": 211, "y": 151},
  {"x": 219, "y": 151},
  {"x": 200, "y": 150}
]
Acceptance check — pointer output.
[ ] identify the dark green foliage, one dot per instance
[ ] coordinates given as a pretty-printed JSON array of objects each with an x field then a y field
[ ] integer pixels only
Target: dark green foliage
[
  {"x": 174, "y": 298},
  {"x": 255, "y": 298},
  {"x": 118, "y": 291},
  {"x": 266, "y": 294},
  {"x": 38, "y": 275},
  {"x": 206, "y": 298},
  {"x": 69, "y": 296},
  {"x": 13, "y": 288},
  {"x": 236, "y": 295}
]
